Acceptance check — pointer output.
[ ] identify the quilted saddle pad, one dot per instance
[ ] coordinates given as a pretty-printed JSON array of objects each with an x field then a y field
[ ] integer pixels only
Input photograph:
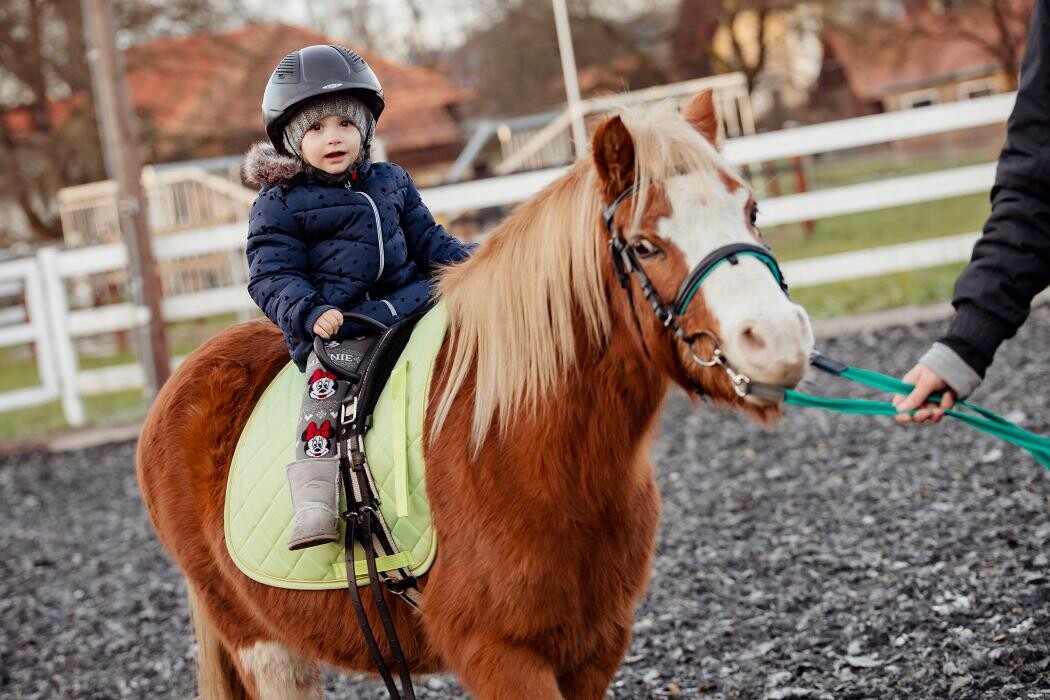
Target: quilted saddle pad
[{"x": 258, "y": 516}]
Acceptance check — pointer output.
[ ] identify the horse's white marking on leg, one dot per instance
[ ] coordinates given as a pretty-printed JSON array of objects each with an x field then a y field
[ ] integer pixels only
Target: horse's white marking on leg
[{"x": 280, "y": 674}]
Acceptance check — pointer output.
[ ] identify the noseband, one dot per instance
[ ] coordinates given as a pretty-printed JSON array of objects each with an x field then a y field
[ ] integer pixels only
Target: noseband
[{"x": 626, "y": 262}]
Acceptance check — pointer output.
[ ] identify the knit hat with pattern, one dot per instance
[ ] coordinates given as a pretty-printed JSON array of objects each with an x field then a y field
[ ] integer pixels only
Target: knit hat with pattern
[{"x": 343, "y": 105}]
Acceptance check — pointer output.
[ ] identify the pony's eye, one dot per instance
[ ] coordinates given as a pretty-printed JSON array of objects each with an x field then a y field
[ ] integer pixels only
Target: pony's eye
[
  {"x": 644, "y": 248},
  {"x": 754, "y": 214}
]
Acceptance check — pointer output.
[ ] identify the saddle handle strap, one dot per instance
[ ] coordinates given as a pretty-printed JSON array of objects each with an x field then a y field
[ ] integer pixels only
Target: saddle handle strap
[{"x": 319, "y": 347}]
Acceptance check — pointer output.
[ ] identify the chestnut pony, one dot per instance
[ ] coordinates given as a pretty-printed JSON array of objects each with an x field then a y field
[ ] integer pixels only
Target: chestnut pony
[{"x": 546, "y": 395}]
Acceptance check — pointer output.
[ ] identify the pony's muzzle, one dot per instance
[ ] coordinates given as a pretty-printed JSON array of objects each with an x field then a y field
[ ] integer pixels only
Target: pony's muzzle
[{"x": 772, "y": 348}]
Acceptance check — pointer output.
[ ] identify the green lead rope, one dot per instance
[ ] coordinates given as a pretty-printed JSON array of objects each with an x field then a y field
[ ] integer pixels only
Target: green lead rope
[{"x": 971, "y": 414}]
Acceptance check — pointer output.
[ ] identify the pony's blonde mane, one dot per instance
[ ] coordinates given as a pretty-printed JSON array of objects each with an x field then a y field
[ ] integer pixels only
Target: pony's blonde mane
[{"x": 515, "y": 305}]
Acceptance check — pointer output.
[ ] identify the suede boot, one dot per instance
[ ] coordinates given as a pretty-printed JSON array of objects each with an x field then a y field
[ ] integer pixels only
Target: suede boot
[{"x": 314, "y": 485}]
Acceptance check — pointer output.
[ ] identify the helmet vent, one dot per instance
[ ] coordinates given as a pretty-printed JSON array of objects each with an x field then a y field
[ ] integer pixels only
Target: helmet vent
[
  {"x": 356, "y": 63},
  {"x": 287, "y": 70}
]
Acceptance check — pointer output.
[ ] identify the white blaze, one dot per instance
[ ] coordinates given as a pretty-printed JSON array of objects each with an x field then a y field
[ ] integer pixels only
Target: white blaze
[{"x": 762, "y": 332}]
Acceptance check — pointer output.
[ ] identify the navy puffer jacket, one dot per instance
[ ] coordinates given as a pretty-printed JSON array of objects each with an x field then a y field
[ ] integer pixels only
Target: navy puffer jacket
[{"x": 369, "y": 246}]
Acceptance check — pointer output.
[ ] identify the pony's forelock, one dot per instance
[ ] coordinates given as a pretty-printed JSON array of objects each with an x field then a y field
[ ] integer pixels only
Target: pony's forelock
[
  {"x": 514, "y": 306},
  {"x": 667, "y": 145}
]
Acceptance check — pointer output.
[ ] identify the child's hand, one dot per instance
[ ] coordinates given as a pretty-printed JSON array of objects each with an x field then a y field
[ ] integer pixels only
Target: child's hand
[{"x": 329, "y": 322}]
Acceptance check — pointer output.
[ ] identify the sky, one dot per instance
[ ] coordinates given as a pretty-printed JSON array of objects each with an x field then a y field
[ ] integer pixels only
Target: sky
[{"x": 445, "y": 23}]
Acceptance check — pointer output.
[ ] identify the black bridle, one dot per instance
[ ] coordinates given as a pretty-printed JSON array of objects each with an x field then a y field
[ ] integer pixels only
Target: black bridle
[{"x": 626, "y": 263}]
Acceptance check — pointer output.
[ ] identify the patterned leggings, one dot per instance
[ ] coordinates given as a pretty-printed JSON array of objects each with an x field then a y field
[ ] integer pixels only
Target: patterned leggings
[{"x": 319, "y": 415}]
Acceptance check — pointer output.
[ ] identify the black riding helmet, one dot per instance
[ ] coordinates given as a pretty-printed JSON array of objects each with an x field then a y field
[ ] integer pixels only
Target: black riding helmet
[{"x": 322, "y": 69}]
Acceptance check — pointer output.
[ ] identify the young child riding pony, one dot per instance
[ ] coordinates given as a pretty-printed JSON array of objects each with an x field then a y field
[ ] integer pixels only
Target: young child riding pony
[{"x": 331, "y": 231}]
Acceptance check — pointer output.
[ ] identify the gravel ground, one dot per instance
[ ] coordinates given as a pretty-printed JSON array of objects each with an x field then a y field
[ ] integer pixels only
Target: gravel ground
[{"x": 831, "y": 557}]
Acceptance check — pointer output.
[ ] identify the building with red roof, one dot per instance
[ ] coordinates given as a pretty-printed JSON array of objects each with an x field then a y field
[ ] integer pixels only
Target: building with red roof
[
  {"x": 924, "y": 57},
  {"x": 199, "y": 97}
]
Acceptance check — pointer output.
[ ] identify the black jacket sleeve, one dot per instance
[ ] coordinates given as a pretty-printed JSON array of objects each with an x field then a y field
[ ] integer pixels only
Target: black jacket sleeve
[{"x": 1011, "y": 261}]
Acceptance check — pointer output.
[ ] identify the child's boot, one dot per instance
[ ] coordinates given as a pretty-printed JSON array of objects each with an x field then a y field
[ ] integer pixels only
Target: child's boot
[{"x": 314, "y": 485}]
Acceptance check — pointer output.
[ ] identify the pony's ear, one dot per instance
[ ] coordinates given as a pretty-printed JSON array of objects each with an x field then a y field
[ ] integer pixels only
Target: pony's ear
[
  {"x": 614, "y": 156},
  {"x": 701, "y": 114}
]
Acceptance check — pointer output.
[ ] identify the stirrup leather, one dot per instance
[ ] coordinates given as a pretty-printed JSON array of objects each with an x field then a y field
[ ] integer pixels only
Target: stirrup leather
[{"x": 375, "y": 357}]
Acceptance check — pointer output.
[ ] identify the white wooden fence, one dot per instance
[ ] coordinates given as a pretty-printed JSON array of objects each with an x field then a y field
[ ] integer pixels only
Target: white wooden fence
[
  {"x": 53, "y": 327},
  {"x": 531, "y": 150}
]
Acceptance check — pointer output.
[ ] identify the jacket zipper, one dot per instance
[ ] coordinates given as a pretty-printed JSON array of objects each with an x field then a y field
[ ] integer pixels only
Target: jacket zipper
[
  {"x": 382, "y": 256},
  {"x": 393, "y": 311},
  {"x": 379, "y": 233}
]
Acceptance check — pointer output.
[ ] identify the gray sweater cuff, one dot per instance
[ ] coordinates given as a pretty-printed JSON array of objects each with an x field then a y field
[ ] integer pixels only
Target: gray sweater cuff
[{"x": 947, "y": 365}]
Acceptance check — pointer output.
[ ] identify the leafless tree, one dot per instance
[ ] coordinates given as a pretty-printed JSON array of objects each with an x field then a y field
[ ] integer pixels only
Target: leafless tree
[
  {"x": 48, "y": 135},
  {"x": 402, "y": 31},
  {"x": 513, "y": 62},
  {"x": 996, "y": 27},
  {"x": 700, "y": 20}
]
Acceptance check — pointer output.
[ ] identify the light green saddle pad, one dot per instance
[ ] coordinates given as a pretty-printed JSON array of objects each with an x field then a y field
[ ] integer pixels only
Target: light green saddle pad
[{"x": 258, "y": 507}]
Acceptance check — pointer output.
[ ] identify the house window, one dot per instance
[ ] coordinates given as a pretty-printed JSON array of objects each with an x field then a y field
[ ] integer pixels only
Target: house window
[
  {"x": 919, "y": 98},
  {"x": 973, "y": 89}
]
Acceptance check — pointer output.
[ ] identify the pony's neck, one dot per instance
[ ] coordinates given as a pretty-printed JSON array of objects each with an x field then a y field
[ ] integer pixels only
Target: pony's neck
[{"x": 603, "y": 416}]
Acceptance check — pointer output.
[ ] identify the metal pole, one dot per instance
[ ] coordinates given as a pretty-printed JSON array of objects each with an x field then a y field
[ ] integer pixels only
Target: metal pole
[
  {"x": 120, "y": 145},
  {"x": 568, "y": 69}
]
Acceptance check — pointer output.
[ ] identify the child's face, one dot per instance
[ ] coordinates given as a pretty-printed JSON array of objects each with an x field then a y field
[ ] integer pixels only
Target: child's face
[{"x": 331, "y": 144}]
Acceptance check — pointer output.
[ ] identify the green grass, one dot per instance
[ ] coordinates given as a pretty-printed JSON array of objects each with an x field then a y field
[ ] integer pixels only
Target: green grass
[
  {"x": 18, "y": 372},
  {"x": 780, "y": 177},
  {"x": 879, "y": 293},
  {"x": 884, "y": 227},
  {"x": 851, "y": 172},
  {"x": 840, "y": 234},
  {"x": 103, "y": 409}
]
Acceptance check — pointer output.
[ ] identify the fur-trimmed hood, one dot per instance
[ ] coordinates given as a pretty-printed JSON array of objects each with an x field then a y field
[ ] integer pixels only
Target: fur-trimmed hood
[{"x": 264, "y": 167}]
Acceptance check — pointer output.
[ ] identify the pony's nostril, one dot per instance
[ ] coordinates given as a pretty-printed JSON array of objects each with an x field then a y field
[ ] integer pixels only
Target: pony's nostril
[{"x": 752, "y": 340}]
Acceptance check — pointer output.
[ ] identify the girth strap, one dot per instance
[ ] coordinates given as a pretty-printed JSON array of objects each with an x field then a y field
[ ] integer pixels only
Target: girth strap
[{"x": 363, "y": 490}]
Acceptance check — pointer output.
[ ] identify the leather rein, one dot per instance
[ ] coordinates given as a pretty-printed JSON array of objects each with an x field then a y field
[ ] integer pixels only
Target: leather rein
[{"x": 626, "y": 263}]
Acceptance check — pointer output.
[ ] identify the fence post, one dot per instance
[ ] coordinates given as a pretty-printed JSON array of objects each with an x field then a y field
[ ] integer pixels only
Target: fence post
[
  {"x": 36, "y": 314},
  {"x": 56, "y": 305}
]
